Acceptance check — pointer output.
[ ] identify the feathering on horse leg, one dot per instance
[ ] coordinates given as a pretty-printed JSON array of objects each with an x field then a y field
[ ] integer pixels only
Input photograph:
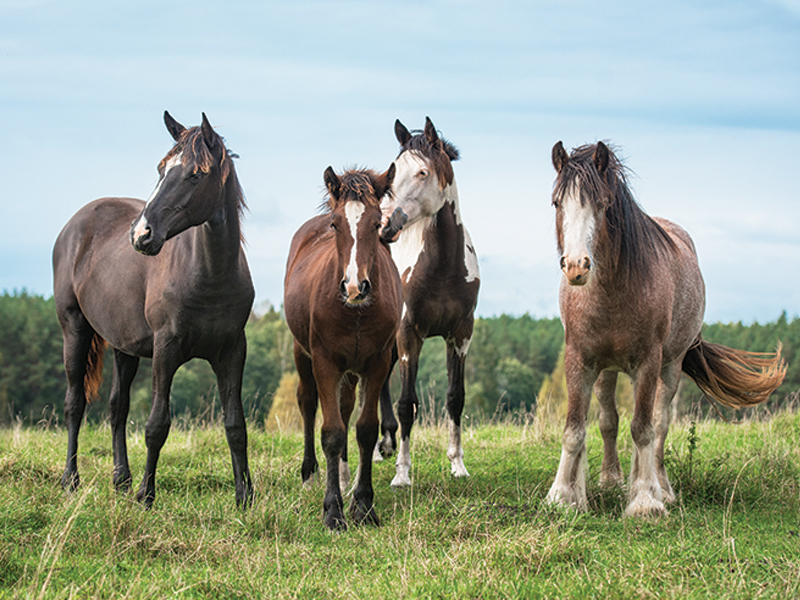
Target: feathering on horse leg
[{"x": 667, "y": 387}]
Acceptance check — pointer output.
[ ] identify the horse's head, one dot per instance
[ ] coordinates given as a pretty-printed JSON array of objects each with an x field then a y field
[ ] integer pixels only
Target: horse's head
[
  {"x": 354, "y": 206},
  {"x": 424, "y": 172},
  {"x": 190, "y": 187},
  {"x": 581, "y": 197}
]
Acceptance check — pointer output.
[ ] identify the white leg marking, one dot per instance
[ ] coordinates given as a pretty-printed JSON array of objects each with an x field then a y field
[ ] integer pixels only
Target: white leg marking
[
  {"x": 376, "y": 453},
  {"x": 344, "y": 476},
  {"x": 567, "y": 491},
  {"x": 403, "y": 467},
  {"x": 456, "y": 453},
  {"x": 645, "y": 497}
]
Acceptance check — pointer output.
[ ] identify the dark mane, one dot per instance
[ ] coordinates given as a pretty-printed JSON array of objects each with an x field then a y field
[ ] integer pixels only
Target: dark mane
[
  {"x": 196, "y": 153},
  {"x": 356, "y": 185},
  {"x": 439, "y": 159},
  {"x": 632, "y": 233}
]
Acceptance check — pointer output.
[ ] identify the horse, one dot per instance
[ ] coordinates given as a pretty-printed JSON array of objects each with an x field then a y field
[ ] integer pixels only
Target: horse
[
  {"x": 632, "y": 299},
  {"x": 165, "y": 279},
  {"x": 342, "y": 303},
  {"x": 439, "y": 270}
]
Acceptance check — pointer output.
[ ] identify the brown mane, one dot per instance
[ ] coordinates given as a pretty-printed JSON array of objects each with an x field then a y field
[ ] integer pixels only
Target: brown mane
[
  {"x": 631, "y": 232},
  {"x": 356, "y": 186},
  {"x": 439, "y": 155}
]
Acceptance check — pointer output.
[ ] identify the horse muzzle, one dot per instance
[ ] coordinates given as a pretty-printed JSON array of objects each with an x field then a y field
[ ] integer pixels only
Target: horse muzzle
[
  {"x": 355, "y": 294},
  {"x": 144, "y": 239},
  {"x": 577, "y": 273}
]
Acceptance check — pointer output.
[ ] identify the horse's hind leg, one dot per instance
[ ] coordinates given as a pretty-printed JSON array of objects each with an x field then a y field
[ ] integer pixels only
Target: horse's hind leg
[
  {"x": 347, "y": 401},
  {"x": 456, "y": 356},
  {"x": 606, "y": 390},
  {"x": 667, "y": 387},
  {"x": 229, "y": 372},
  {"x": 307, "y": 401},
  {"x": 125, "y": 367},
  {"x": 78, "y": 335},
  {"x": 388, "y": 440}
]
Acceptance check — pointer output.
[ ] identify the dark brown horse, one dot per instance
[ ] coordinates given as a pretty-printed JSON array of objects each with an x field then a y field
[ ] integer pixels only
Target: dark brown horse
[
  {"x": 185, "y": 294},
  {"x": 439, "y": 270},
  {"x": 632, "y": 300},
  {"x": 342, "y": 302}
]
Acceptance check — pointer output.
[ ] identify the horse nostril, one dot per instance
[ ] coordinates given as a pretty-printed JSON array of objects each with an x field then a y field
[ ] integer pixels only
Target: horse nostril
[
  {"x": 343, "y": 287},
  {"x": 364, "y": 288},
  {"x": 563, "y": 262},
  {"x": 587, "y": 263}
]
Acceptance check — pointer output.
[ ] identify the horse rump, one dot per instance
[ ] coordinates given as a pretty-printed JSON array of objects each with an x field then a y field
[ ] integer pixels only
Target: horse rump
[{"x": 735, "y": 378}]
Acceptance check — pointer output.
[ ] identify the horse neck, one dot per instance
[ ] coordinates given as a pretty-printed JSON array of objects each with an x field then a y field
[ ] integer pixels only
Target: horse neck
[
  {"x": 448, "y": 227},
  {"x": 216, "y": 244}
]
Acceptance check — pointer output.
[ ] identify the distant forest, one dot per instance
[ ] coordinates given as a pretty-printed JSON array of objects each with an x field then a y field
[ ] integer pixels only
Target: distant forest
[{"x": 512, "y": 362}]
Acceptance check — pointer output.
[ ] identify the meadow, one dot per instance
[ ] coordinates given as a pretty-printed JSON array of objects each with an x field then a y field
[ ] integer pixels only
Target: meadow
[{"x": 734, "y": 531}]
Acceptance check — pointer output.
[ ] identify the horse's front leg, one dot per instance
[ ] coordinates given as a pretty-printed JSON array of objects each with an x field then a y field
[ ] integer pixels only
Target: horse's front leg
[
  {"x": 333, "y": 436},
  {"x": 362, "y": 508},
  {"x": 645, "y": 497},
  {"x": 569, "y": 487},
  {"x": 229, "y": 372},
  {"x": 165, "y": 362},
  {"x": 307, "y": 401},
  {"x": 409, "y": 345},
  {"x": 606, "y": 390},
  {"x": 456, "y": 356},
  {"x": 125, "y": 367}
]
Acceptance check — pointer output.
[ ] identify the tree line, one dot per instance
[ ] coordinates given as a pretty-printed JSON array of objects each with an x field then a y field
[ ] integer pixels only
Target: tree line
[{"x": 513, "y": 364}]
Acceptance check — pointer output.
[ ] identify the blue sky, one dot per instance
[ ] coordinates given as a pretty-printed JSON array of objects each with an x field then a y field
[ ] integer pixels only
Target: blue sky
[{"x": 702, "y": 98}]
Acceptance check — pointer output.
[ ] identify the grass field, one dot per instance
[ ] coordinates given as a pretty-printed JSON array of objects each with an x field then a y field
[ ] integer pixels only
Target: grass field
[{"x": 733, "y": 533}]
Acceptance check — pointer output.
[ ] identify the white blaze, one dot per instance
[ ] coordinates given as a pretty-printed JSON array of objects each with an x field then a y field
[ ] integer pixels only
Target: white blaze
[
  {"x": 353, "y": 212},
  {"x": 577, "y": 226},
  {"x": 141, "y": 225}
]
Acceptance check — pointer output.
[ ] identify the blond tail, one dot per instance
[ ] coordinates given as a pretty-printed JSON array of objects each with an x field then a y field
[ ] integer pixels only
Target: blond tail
[
  {"x": 94, "y": 368},
  {"x": 735, "y": 378}
]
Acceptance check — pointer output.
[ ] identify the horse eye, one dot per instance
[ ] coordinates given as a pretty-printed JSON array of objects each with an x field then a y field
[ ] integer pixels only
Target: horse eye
[
  {"x": 333, "y": 226},
  {"x": 423, "y": 173}
]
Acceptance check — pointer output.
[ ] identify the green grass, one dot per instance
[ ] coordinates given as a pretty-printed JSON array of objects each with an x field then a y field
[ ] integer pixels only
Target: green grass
[{"x": 734, "y": 531}]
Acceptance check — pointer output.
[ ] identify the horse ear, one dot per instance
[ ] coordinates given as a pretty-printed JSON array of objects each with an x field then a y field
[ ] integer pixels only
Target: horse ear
[
  {"x": 332, "y": 182},
  {"x": 383, "y": 183},
  {"x": 430, "y": 132},
  {"x": 175, "y": 129},
  {"x": 401, "y": 133},
  {"x": 600, "y": 157},
  {"x": 209, "y": 134},
  {"x": 560, "y": 156}
]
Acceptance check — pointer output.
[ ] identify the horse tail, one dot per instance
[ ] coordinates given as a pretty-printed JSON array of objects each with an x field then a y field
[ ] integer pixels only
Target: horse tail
[
  {"x": 735, "y": 378},
  {"x": 94, "y": 368}
]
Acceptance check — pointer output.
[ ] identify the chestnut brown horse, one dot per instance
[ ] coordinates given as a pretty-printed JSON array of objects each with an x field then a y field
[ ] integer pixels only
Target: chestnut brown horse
[
  {"x": 342, "y": 301},
  {"x": 439, "y": 269},
  {"x": 632, "y": 300},
  {"x": 185, "y": 294}
]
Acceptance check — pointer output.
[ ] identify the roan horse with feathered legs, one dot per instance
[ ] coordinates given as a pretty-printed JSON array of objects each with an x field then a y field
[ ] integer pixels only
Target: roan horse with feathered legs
[
  {"x": 632, "y": 300},
  {"x": 342, "y": 301},
  {"x": 185, "y": 294},
  {"x": 439, "y": 269}
]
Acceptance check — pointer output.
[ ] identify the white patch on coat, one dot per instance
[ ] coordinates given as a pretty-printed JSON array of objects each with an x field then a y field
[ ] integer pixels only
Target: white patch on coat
[
  {"x": 470, "y": 258},
  {"x": 408, "y": 247},
  {"x": 353, "y": 212},
  {"x": 456, "y": 453},
  {"x": 402, "y": 477},
  {"x": 464, "y": 347}
]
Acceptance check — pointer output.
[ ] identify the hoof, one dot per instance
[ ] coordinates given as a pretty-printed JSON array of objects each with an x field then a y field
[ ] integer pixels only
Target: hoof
[
  {"x": 401, "y": 478},
  {"x": 376, "y": 454},
  {"x": 70, "y": 481},
  {"x": 457, "y": 468},
  {"x": 566, "y": 497},
  {"x": 334, "y": 520},
  {"x": 644, "y": 504},
  {"x": 122, "y": 483},
  {"x": 387, "y": 445},
  {"x": 363, "y": 515}
]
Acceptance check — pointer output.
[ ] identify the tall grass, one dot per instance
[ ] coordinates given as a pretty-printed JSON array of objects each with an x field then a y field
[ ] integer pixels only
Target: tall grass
[{"x": 734, "y": 531}]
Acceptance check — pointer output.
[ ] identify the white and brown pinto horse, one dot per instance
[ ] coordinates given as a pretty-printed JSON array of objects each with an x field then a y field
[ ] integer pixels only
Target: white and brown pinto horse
[
  {"x": 439, "y": 270},
  {"x": 173, "y": 286},
  {"x": 632, "y": 300},
  {"x": 342, "y": 301}
]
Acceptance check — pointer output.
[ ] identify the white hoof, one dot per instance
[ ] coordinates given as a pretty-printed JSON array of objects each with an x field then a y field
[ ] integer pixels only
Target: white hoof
[
  {"x": 376, "y": 453},
  {"x": 566, "y": 497},
  {"x": 457, "y": 467},
  {"x": 401, "y": 478},
  {"x": 645, "y": 504}
]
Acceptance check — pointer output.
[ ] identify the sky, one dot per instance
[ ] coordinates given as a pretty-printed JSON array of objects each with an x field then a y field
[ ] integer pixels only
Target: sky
[{"x": 701, "y": 98}]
